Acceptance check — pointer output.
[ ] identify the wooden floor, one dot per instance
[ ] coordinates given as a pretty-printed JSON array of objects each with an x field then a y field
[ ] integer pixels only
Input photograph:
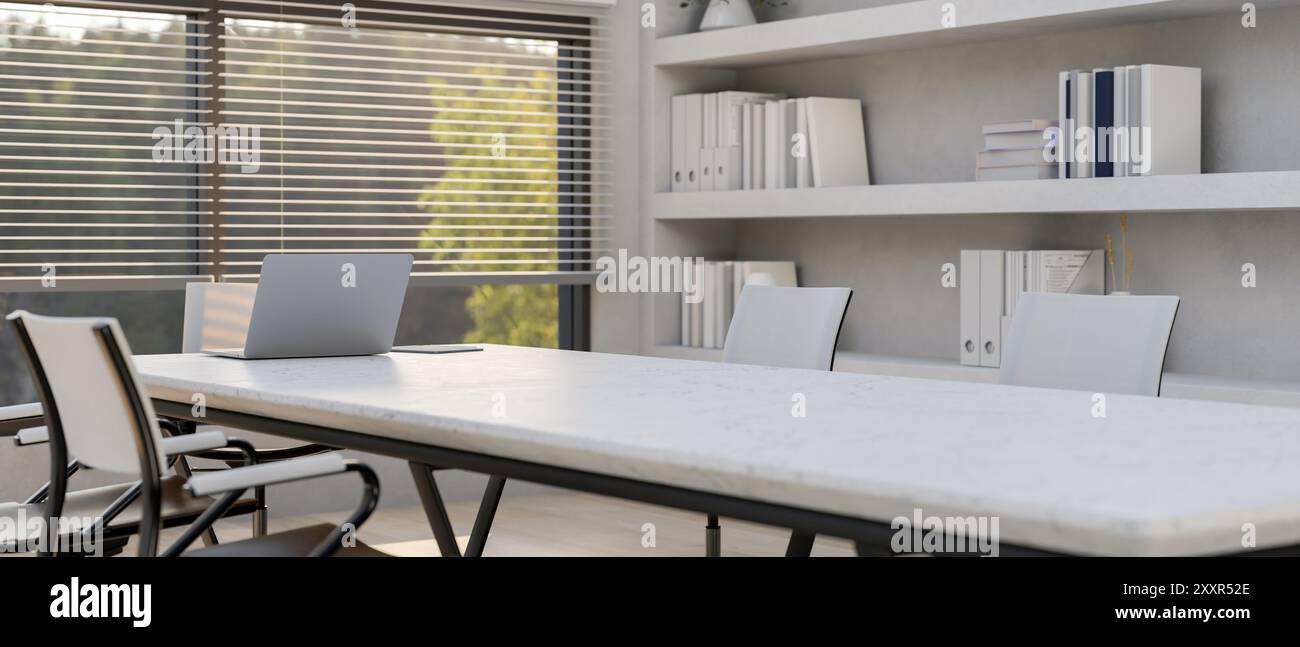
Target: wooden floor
[{"x": 568, "y": 525}]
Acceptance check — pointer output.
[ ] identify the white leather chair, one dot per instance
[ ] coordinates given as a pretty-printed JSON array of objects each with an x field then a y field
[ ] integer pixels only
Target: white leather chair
[
  {"x": 95, "y": 403},
  {"x": 1104, "y": 344},
  {"x": 787, "y": 328}
]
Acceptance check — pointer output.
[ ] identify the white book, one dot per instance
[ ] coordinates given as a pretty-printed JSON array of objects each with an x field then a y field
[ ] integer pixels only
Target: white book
[
  {"x": 803, "y": 167},
  {"x": 725, "y": 305},
  {"x": 783, "y": 144},
  {"x": 1119, "y": 142},
  {"x": 697, "y": 309},
  {"x": 677, "y": 124},
  {"x": 791, "y": 129},
  {"x": 837, "y": 142},
  {"x": 737, "y": 282},
  {"x": 1021, "y": 157},
  {"x": 1083, "y": 109},
  {"x": 710, "y": 297},
  {"x": 759, "y": 147},
  {"x": 732, "y": 106},
  {"x": 968, "y": 283},
  {"x": 1016, "y": 141},
  {"x": 694, "y": 139},
  {"x": 1019, "y": 126},
  {"x": 1014, "y": 173},
  {"x": 1134, "y": 94},
  {"x": 685, "y": 318},
  {"x": 772, "y": 142},
  {"x": 1171, "y": 109},
  {"x": 991, "y": 268},
  {"x": 747, "y": 147}
]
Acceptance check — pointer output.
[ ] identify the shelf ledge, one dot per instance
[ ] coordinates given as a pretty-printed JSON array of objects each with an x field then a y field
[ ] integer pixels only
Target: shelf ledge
[
  {"x": 1175, "y": 385},
  {"x": 1253, "y": 191},
  {"x": 916, "y": 24}
]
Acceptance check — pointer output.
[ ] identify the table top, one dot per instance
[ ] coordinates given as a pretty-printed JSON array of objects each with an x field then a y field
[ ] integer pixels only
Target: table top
[{"x": 1154, "y": 476}]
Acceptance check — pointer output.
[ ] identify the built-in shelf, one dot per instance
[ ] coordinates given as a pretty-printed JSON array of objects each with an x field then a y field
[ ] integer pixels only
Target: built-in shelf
[
  {"x": 917, "y": 24},
  {"x": 1269, "y": 190},
  {"x": 1174, "y": 385}
]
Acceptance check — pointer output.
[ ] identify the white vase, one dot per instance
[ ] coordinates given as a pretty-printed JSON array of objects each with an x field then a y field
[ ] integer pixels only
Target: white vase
[{"x": 727, "y": 13}]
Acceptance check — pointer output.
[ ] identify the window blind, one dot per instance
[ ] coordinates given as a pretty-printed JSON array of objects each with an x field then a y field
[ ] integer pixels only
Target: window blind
[{"x": 469, "y": 135}]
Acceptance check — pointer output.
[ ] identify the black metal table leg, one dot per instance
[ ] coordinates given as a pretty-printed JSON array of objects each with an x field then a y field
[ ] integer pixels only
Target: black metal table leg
[
  {"x": 487, "y": 511},
  {"x": 801, "y": 544},
  {"x": 713, "y": 538},
  {"x": 435, "y": 510}
]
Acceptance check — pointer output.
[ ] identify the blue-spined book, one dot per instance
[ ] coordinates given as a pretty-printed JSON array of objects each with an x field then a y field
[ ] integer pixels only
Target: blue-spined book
[{"x": 1103, "y": 121}]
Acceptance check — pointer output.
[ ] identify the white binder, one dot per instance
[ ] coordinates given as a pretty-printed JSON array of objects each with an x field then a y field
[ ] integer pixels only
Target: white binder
[
  {"x": 992, "y": 266},
  {"x": 694, "y": 139},
  {"x": 677, "y": 124},
  {"x": 969, "y": 285},
  {"x": 708, "y": 181}
]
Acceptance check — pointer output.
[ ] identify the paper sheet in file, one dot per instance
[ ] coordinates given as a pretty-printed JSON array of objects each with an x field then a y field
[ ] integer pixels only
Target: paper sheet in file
[{"x": 1061, "y": 271}]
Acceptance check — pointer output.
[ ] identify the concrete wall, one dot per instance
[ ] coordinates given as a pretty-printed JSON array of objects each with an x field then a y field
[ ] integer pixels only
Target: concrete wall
[{"x": 924, "y": 109}]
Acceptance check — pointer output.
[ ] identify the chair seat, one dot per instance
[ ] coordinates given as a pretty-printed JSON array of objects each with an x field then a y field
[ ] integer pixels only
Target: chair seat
[
  {"x": 290, "y": 543},
  {"x": 178, "y": 509}
]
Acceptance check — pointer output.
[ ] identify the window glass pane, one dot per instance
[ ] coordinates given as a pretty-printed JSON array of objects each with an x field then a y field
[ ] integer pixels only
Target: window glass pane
[
  {"x": 81, "y": 93},
  {"x": 525, "y": 315}
]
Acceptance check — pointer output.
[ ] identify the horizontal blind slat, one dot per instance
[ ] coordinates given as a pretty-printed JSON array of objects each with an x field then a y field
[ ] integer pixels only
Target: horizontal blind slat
[{"x": 390, "y": 139}]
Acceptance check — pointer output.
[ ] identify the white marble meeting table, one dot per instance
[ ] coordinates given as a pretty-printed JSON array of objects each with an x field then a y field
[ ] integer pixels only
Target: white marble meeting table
[{"x": 1154, "y": 476}]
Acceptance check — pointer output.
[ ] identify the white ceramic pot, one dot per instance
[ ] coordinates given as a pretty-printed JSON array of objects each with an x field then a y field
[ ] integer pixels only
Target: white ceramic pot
[{"x": 727, "y": 13}]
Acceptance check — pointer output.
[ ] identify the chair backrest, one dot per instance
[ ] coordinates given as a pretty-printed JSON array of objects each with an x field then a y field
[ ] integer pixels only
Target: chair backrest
[
  {"x": 786, "y": 327},
  {"x": 1110, "y": 344},
  {"x": 84, "y": 371},
  {"x": 217, "y": 315}
]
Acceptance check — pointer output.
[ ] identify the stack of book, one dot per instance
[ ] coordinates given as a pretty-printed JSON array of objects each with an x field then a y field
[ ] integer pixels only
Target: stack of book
[
  {"x": 1130, "y": 120},
  {"x": 707, "y": 316},
  {"x": 751, "y": 140},
  {"x": 992, "y": 281},
  {"x": 1017, "y": 150}
]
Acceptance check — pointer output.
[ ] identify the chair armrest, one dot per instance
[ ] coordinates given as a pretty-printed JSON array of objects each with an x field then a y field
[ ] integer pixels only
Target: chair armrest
[
  {"x": 32, "y": 436},
  {"x": 239, "y": 478},
  {"x": 19, "y": 416},
  {"x": 267, "y": 455},
  {"x": 190, "y": 443}
]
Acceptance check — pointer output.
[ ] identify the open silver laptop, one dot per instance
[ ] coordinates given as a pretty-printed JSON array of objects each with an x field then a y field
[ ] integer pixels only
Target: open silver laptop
[{"x": 325, "y": 305}]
